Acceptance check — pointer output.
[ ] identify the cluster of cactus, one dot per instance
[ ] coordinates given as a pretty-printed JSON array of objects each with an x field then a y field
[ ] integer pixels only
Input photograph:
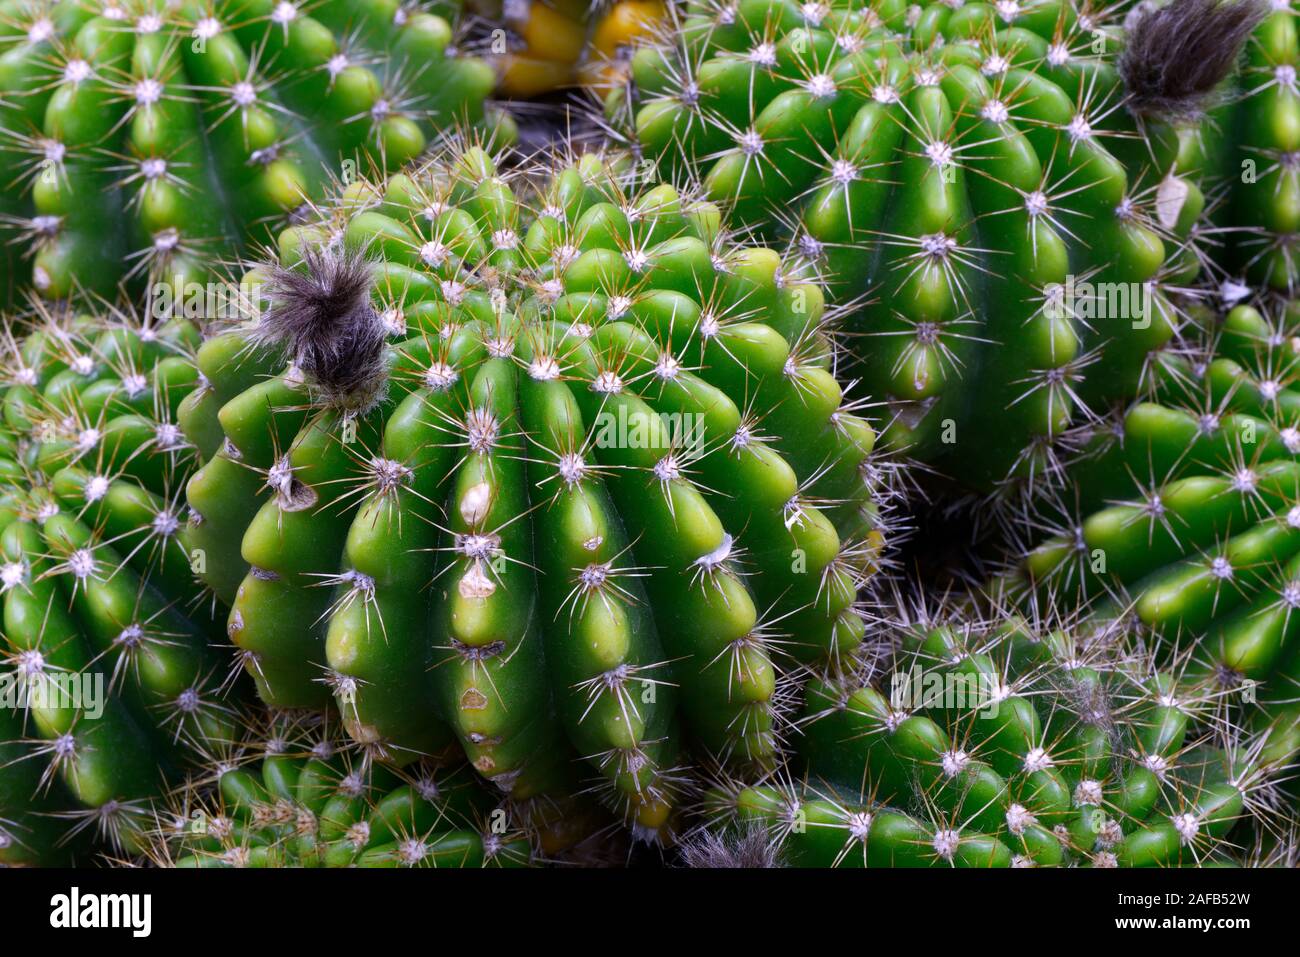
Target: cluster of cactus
[
  {"x": 549, "y": 476},
  {"x": 508, "y": 503},
  {"x": 1004, "y": 745},
  {"x": 154, "y": 138},
  {"x": 555, "y": 44},
  {"x": 113, "y": 678},
  {"x": 979, "y": 173},
  {"x": 294, "y": 795}
]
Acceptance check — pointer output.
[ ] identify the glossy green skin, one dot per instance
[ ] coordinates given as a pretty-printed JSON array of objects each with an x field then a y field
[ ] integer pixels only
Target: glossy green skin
[
  {"x": 1183, "y": 531},
  {"x": 97, "y": 585},
  {"x": 152, "y": 154},
  {"x": 1249, "y": 149},
  {"x": 1023, "y": 778},
  {"x": 585, "y": 621},
  {"x": 29, "y": 834},
  {"x": 940, "y": 166},
  {"x": 1215, "y": 562},
  {"x": 312, "y": 809}
]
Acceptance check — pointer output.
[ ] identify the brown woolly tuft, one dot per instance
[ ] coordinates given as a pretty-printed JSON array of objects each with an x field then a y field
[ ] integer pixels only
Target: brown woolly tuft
[
  {"x": 322, "y": 316},
  {"x": 751, "y": 848},
  {"x": 1177, "y": 55}
]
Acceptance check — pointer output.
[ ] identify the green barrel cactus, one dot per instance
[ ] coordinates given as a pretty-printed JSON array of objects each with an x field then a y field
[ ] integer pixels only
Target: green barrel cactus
[
  {"x": 112, "y": 675},
  {"x": 1180, "y": 527},
  {"x": 546, "y": 476},
  {"x": 145, "y": 139},
  {"x": 1001, "y": 745},
  {"x": 298, "y": 796},
  {"x": 1183, "y": 517},
  {"x": 1250, "y": 153},
  {"x": 987, "y": 179}
]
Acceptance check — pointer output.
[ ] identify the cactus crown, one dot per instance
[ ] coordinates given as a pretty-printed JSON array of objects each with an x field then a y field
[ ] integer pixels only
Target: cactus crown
[{"x": 323, "y": 319}]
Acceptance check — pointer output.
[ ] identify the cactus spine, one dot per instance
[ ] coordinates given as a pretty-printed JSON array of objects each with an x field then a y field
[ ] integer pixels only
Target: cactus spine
[
  {"x": 562, "y": 469},
  {"x": 153, "y": 139},
  {"x": 1248, "y": 153},
  {"x": 297, "y": 796},
  {"x": 106, "y": 636},
  {"x": 1007, "y": 744},
  {"x": 982, "y": 174}
]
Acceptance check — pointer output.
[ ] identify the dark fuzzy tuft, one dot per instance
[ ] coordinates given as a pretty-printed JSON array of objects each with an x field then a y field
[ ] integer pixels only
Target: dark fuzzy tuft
[
  {"x": 1177, "y": 55},
  {"x": 751, "y": 848},
  {"x": 323, "y": 318}
]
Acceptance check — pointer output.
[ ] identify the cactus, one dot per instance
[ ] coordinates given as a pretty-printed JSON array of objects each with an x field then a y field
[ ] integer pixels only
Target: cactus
[
  {"x": 299, "y": 797},
  {"x": 999, "y": 744},
  {"x": 535, "y": 497},
  {"x": 1181, "y": 525},
  {"x": 568, "y": 43},
  {"x": 981, "y": 174},
  {"x": 105, "y": 632},
  {"x": 555, "y": 470},
  {"x": 30, "y": 833},
  {"x": 1184, "y": 515},
  {"x": 149, "y": 139},
  {"x": 1248, "y": 152}
]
